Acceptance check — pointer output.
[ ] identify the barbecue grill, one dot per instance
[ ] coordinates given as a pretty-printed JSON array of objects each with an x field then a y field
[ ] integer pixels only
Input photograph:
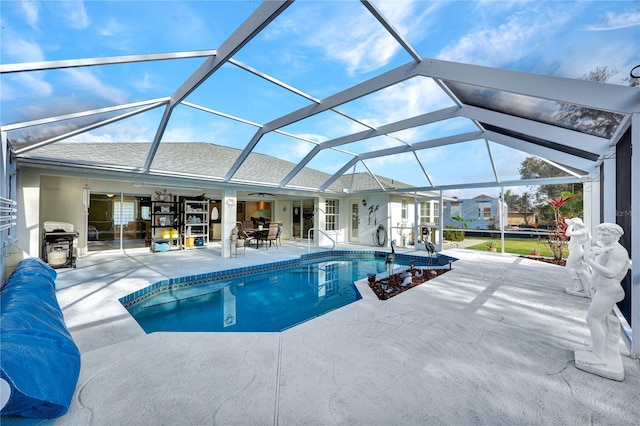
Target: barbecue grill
[{"x": 59, "y": 244}]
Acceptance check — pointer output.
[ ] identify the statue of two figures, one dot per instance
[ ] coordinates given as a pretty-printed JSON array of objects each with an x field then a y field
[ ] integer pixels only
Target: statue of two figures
[{"x": 597, "y": 271}]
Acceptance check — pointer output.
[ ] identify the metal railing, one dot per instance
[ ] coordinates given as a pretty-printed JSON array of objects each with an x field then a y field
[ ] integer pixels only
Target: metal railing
[
  {"x": 7, "y": 216},
  {"x": 322, "y": 232}
]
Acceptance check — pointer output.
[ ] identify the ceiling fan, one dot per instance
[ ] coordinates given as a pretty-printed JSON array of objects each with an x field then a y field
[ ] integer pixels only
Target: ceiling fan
[{"x": 261, "y": 194}]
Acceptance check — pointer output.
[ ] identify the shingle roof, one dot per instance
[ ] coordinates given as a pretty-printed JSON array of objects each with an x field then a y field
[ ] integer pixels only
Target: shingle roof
[{"x": 206, "y": 160}]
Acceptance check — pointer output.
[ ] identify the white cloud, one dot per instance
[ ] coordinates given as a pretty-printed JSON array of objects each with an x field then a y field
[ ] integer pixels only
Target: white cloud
[
  {"x": 615, "y": 21},
  {"x": 24, "y": 85},
  {"x": 410, "y": 18},
  {"x": 21, "y": 50},
  {"x": 84, "y": 79},
  {"x": 289, "y": 149},
  {"x": 407, "y": 99},
  {"x": 112, "y": 28},
  {"x": 135, "y": 129},
  {"x": 145, "y": 83},
  {"x": 31, "y": 12},
  {"x": 34, "y": 85},
  {"x": 520, "y": 35},
  {"x": 184, "y": 134},
  {"x": 361, "y": 44},
  {"x": 74, "y": 13}
]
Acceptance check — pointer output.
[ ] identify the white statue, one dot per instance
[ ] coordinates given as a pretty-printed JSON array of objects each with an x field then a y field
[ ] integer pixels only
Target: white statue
[
  {"x": 579, "y": 240},
  {"x": 609, "y": 262},
  {"x": 406, "y": 278}
]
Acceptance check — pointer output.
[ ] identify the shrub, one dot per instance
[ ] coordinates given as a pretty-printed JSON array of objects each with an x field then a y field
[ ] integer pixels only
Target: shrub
[{"x": 453, "y": 234}]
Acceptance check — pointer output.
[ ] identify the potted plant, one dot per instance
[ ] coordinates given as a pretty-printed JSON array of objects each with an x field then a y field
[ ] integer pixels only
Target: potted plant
[
  {"x": 534, "y": 251},
  {"x": 491, "y": 246}
]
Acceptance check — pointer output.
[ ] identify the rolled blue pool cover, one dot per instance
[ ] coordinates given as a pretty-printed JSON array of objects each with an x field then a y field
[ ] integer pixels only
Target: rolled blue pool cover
[{"x": 40, "y": 360}]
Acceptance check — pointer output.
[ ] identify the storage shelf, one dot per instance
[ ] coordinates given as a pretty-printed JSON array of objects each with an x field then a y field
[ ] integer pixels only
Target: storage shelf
[
  {"x": 195, "y": 224},
  {"x": 165, "y": 217}
]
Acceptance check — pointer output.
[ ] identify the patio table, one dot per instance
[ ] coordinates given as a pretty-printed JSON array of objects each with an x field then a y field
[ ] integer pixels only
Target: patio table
[{"x": 259, "y": 235}]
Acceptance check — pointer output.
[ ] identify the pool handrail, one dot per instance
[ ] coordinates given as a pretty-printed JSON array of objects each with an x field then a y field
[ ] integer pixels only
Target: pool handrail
[{"x": 322, "y": 232}]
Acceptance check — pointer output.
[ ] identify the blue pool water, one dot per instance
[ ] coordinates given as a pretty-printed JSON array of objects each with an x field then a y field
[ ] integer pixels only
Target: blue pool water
[{"x": 269, "y": 298}]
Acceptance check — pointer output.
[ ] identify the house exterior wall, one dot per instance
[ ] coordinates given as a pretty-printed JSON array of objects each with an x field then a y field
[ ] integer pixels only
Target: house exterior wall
[
  {"x": 402, "y": 227},
  {"x": 63, "y": 196},
  {"x": 56, "y": 195},
  {"x": 10, "y": 255},
  {"x": 48, "y": 195},
  {"x": 473, "y": 211},
  {"x": 375, "y": 213}
]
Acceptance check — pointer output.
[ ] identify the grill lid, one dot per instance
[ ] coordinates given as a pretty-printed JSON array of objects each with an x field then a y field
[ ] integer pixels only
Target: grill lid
[{"x": 50, "y": 226}]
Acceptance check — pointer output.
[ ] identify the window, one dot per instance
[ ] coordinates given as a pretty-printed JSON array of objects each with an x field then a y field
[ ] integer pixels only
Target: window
[
  {"x": 332, "y": 215},
  {"x": 484, "y": 210},
  {"x": 123, "y": 213},
  {"x": 145, "y": 212},
  {"x": 436, "y": 212},
  {"x": 404, "y": 209},
  {"x": 425, "y": 212}
]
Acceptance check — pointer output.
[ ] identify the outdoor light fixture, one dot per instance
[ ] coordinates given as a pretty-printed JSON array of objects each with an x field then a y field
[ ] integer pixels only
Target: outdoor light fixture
[{"x": 364, "y": 202}]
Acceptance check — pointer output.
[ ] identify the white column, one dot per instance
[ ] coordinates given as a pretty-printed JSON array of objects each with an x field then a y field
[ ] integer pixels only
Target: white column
[
  {"x": 440, "y": 222},
  {"x": 608, "y": 193},
  {"x": 591, "y": 201},
  {"x": 229, "y": 203},
  {"x": 416, "y": 220},
  {"x": 635, "y": 238},
  {"x": 503, "y": 215}
]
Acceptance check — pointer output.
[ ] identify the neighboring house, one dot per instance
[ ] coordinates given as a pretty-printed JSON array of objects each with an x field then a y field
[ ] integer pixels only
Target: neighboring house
[
  {"x": 481, "y": 212},
  {"x": 515, "y": 218}
]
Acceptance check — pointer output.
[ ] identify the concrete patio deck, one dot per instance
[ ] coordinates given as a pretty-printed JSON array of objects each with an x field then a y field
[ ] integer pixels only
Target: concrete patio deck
[{"x": 490, "y": 342}]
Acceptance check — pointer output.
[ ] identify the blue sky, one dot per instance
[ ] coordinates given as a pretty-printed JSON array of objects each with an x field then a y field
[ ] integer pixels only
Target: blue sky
[{"x": 318, "y": 47}]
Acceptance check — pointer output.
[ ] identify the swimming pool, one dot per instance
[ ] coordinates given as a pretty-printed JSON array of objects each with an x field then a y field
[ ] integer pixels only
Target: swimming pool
[{"x": 261, "y": 298}]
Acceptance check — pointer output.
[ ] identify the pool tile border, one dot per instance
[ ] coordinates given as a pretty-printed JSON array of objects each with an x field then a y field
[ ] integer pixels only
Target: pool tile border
[{"x": 171, "y": 284}]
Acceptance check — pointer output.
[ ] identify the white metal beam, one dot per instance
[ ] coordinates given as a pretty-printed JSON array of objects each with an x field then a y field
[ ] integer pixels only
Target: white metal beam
[
  {"x": 537, "y": 129},
  {"x": 635, "y": 237},
  {"x": 541, "y": 151},
  {"x": 391, "y": 30},
  {"x": 489, "y": 184},
  {"x": 448, "y": 140},
  {"x": 48, "y": 120},
  {"x": 602, "y": 96},
  {"x": 259, "y": 19},
  {"x": 86, "y": 128},
  {"x": 420, "y": 120},
  {"x": 374, "y": 84},
  {"x": 109, "y": 60}
]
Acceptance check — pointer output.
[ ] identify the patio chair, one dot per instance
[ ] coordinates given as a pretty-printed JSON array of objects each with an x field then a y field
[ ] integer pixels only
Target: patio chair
[
  {"x": 278, "y": 241},
  {"x": 273, "y": 234},
  {"x": 242, "y": 233}
]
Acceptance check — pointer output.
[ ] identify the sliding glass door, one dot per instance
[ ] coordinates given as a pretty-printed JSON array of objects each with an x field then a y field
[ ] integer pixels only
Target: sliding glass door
[
  {"x": 301, "y": 218},
  {"x": 118, "y": 221}
]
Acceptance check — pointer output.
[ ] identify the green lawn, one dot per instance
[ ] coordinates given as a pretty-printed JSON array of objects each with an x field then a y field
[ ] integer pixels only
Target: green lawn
[{"x": 515, "y": 245}]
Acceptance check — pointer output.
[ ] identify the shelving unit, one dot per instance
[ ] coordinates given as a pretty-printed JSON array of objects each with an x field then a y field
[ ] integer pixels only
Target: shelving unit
[
  {"x": 195, "y": 224},
  {"x": 164, "y": 226}
]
